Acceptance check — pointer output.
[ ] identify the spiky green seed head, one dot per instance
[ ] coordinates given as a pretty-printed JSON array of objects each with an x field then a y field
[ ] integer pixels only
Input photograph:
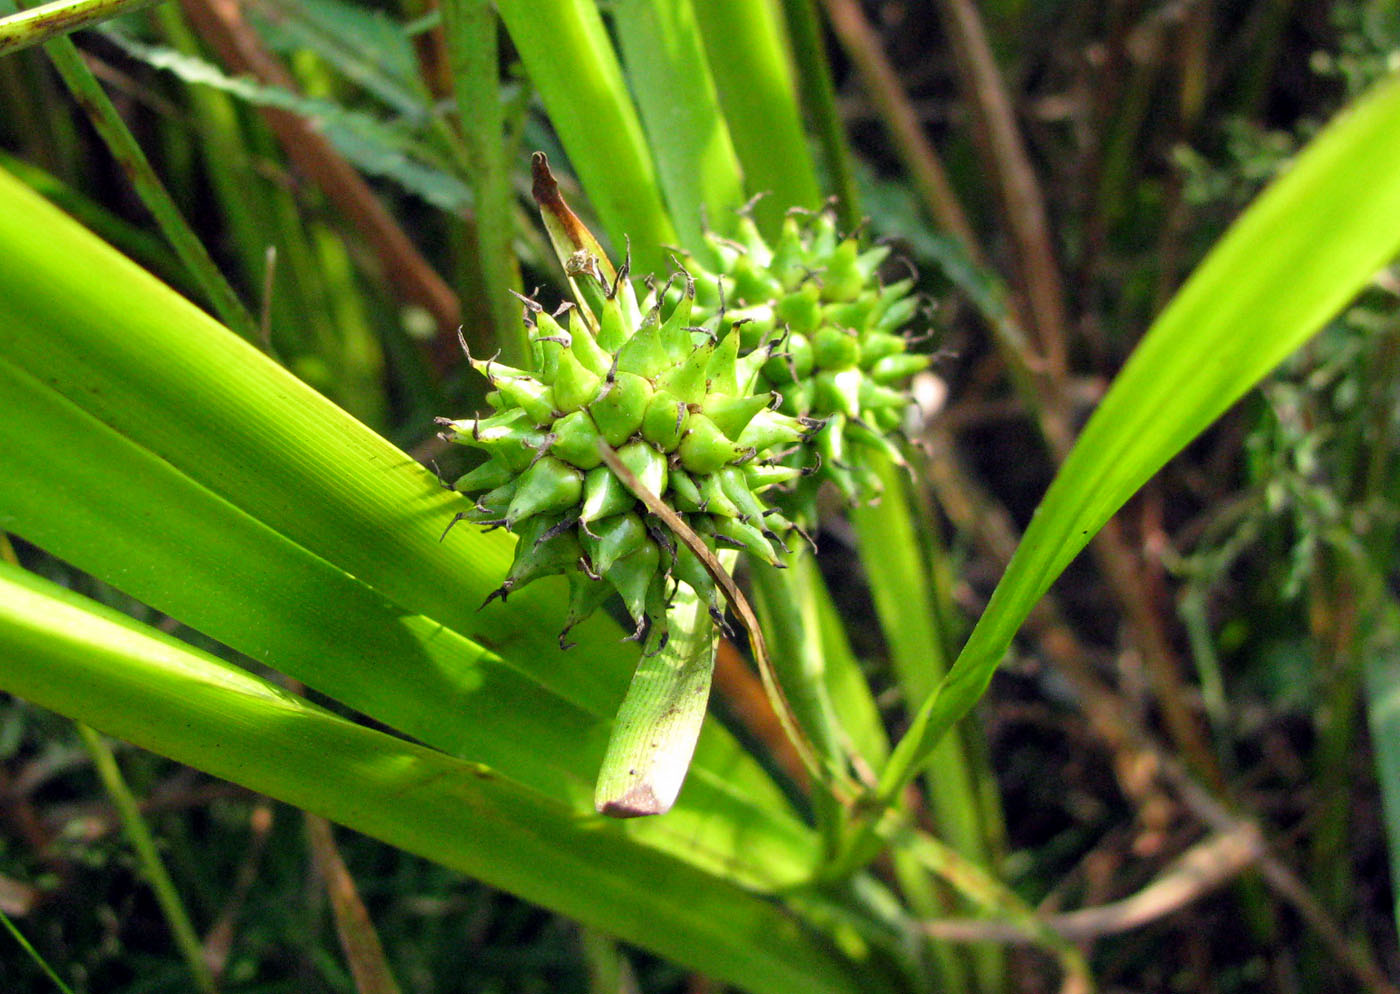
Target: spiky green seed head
[
  {"x": 683, "y": 404},
  {"x": 839, "y": 357}
]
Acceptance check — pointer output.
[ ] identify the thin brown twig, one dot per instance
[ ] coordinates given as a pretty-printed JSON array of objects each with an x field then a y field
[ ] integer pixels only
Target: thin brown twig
[
  {"x": 1205, "y": 867},
  {"x": 743, "y": 692},
  {"x": 218, "y": 941},
  {"x": 1005, "y": 154},
  {"x": 358, "y": 937},
  {"x": 882, "y": 84}
]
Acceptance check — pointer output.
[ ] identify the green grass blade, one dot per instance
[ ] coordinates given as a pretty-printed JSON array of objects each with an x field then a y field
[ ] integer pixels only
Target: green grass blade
[
  {"x": 819, "y": 99},
  {"x": 39, "y": 960},
  {"x": 857, "y": 711},
  {"x": 748, "y": 54},
  {"x": 472, "y": 46},
  {"x": 788, "y": 610},
  {"x": 689, "y": 139},
  {"x": 1308, "y": 244},
  {"x": 1382, "y": 676},
  {"x": 900, "y": 582},
  {"x": 570, "y": 60},
  {"x": 900, "y": 577},
  {"x": 79, "y": 658},
  {"x": 147, "y": 445},
  {"x": 124, "y": 148}
]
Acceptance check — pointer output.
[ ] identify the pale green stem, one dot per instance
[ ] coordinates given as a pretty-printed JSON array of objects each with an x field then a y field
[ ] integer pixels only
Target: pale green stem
[
  {"x": 33, "y": 953},
  {"x": 139, "y": 834},
  {"x": 36, "y": 26}
]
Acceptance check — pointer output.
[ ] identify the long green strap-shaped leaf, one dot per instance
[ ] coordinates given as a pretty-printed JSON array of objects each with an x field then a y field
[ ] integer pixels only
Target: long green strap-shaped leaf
[
  {"x": 747, "y": 47},
  {"x": 82, "y": 659},
  {"x": 1304, "y": 249},
  {"x": 147, "y": 445},
  {"x": 570, "y": 60},
  {"x": 689, "y": 138}
]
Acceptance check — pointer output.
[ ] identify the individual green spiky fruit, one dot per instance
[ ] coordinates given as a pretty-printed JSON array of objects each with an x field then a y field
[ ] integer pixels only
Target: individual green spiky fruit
[
  {"x": 687, "y": 412},
  {"x": 828, "y": 335}
]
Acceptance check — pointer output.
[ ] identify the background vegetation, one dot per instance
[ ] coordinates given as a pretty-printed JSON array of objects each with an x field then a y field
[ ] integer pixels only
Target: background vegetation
[{"x": 1184, "y": 762}]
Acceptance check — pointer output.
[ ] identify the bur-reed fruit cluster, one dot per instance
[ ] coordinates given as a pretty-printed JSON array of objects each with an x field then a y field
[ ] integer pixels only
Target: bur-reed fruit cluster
[{"x": 683, "y": 406}]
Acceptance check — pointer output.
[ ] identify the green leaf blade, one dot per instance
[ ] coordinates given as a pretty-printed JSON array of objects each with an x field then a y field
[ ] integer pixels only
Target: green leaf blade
[
  {"x": 82, "y": 659},
  {"x": 1293, "y": 260}
]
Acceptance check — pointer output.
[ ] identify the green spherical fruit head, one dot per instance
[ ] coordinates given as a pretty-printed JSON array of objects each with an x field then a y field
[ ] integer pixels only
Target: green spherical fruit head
[
  {"x": 620, "y": 405},
  {"x": 576, "y": 440},
  {"x": 705, "y": 448},
  {"x": 547, "y": 487},
  {"x": 835, "y": 348},
  {"x": 664, "y": 421}
]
